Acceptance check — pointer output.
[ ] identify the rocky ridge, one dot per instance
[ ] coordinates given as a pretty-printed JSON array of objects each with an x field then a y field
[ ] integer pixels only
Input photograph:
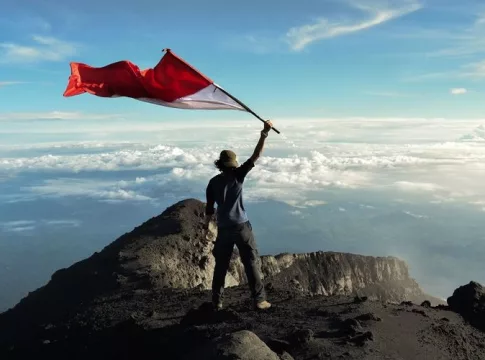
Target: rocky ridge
[
  {"x": 146, "y": 295},
  {"x": 170, "y": 251}
]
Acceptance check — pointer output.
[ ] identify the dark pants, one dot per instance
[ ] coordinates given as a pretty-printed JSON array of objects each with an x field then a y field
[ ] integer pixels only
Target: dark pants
[{"x": 242, "y": 236}]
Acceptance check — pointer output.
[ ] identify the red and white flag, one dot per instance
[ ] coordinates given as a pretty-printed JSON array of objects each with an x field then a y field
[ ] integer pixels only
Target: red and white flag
[{"x": 172, "y": 82}]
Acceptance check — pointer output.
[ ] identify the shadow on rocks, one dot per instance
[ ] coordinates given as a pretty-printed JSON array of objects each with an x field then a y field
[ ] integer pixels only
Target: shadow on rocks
[
  {"x": 348, "y": 331},
  {"x": 205, "y": 314}
]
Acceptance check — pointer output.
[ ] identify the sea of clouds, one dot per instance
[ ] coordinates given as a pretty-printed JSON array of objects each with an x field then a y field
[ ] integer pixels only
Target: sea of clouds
[
  {"x": 325, "y": 174},
  {"x": 442, "y": 159}
]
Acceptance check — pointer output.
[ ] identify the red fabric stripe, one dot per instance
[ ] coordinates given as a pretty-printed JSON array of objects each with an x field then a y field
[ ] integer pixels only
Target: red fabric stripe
[{"x": 171, "y": 79}]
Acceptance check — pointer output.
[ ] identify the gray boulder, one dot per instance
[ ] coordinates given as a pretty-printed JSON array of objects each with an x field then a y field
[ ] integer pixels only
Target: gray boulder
[{"x": 240, "y": 345}]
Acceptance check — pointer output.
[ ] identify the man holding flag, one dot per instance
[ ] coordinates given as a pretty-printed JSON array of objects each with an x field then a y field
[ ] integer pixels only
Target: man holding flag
[
  {"x": 175, "y": 83},
  {"x": 234, "y": 227}
]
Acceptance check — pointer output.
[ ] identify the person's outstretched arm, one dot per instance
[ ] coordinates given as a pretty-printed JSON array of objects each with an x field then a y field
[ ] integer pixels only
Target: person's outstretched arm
[{"x": 258, "y": 150}]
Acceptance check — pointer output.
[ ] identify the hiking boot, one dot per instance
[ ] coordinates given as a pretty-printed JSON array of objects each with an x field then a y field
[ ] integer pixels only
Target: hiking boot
[{"x": 262, "y": 305}]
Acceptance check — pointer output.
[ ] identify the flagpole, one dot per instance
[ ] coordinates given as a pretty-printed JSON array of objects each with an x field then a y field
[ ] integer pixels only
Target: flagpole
[{"x": 245, "y": 107}]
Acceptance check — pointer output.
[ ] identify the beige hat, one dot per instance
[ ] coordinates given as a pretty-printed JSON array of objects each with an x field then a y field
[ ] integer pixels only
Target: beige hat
[{"x": 228, "y": 158}]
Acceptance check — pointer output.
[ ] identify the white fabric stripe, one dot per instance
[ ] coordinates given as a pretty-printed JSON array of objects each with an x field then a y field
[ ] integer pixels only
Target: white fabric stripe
[{"x": 209, "y": 98}]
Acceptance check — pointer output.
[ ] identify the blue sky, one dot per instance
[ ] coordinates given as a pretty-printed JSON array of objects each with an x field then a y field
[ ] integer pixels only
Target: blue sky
[{"x": 405, "y": 58}]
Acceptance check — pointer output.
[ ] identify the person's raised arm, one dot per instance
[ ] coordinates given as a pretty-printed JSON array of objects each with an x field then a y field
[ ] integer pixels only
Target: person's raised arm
[{"x": 258, "y": 150}]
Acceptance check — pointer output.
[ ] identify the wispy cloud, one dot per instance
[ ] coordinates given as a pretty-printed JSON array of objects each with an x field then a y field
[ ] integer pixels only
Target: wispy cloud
[
  {"x": 7, "y": 83},
  {"x": 389, "y": 94},
  {"x": 474, "y": 70},
  {"x": 477, "y": 135},
  {"x": 19, "y": 226},
  {"x": 255, "y": 43},
  {"x": 465, "y": 44},
  {"x": 458, "y": 91},
  {"x": 465, "y": 41},
  {"x": 300, "y": 37},
  {"x": 471, "y": 71},
  {"x": 417, "y": 186},
  {"x": 416, "y": 216},
  {"x": 57, "y": 115},
  {"x": 431, "y": 76},
  {"x": 41, "y": 48}
]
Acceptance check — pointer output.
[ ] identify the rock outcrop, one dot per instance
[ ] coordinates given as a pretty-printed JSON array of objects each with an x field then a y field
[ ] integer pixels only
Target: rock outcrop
[
  {"x": 184, "y": 260},
  {"x": 330, "y": 273},
  {"x": 469, "y": 301}
]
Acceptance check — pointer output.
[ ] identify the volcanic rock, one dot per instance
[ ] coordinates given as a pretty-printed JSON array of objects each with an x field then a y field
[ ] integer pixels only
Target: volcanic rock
[
  {"x": 469, "y": 301},
  {"x": 145, "y": 296},
  {"x": 241, "y": 345},
  {"x": 368, "y": 317}
]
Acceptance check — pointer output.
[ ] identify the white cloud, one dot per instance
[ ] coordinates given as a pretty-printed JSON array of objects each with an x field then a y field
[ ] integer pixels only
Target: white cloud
[
  {"x": 56, "y": 115},
  {"x": 478, "y": 135},
  {"x": 388, "y": 94},
  {"x": 302, "y": 36},
  {"x": 416, "y": 216},
  {"x": 313, "y": 203},
  {"x": 473, "y": 70},
  {"x": 19, "y": 229},
  {"x": 17, "y": 226},
  {"x": 341, "y": 209},
  {"x": 463, "y": 42},
  {"x": 105, "y": 190},
  {"x": 62, "y": 223},
  {"x": 30, "y": 225},
  {"x": 420, "y": 157},
  {"x": 42, "y": 48},
  {"x": 458, "y": 91},
  {"x": 255, "y": 43},
  {"x": 7, "y": 83},
  {"x": 298, "y": 213},
  {"x": 417, "y": 186},
  {"x": 469, "y": 71}
]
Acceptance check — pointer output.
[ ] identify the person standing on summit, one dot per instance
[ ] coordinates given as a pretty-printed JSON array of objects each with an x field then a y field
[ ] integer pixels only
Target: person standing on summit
[{"x": 234, "y": 227}]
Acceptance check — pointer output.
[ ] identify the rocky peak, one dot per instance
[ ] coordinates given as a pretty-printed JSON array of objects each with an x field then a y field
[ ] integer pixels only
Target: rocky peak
[
  {"x": 170, "y": 251},
  {"x": 469, "y": 301},
  {"x": 140, "y": 297}
]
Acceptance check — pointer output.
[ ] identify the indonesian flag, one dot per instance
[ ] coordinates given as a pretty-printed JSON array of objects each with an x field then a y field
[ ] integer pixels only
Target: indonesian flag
[{"x": 172, "y": 82}]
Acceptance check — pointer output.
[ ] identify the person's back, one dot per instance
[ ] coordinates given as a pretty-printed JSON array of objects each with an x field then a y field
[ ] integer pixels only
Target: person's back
[
  {"x": 227, "y": 191},
  {"x": 234, "y": 228}
]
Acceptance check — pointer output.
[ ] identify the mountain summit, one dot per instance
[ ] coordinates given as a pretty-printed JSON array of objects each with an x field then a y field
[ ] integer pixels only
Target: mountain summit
[{"x": 145, "y": 294}]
